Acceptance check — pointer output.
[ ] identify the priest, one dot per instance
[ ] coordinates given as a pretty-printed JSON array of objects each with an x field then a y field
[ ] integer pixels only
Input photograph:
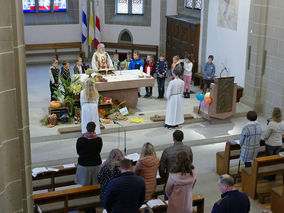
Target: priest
[{"x": 101, "y": 59}]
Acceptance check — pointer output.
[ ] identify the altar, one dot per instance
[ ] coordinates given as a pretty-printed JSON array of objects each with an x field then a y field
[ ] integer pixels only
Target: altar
[{"x": 122, "y": 85}]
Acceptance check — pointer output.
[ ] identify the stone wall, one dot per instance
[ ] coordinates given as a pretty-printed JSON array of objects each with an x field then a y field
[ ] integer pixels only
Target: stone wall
[
  {"x": 15, "y": 156},
  {"x": 264, "y": 80}
]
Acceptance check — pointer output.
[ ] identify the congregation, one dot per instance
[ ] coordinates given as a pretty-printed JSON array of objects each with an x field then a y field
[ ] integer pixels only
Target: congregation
[{"x": 125, "y": 186}]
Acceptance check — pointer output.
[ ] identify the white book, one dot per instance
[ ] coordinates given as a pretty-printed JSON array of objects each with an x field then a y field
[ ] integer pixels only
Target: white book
[
  {"x": 52, "y": 169},
  {"x": 68, "y": 165},
  {"x": 134, "y": 157},
  {"x": 155, "y": 202}
]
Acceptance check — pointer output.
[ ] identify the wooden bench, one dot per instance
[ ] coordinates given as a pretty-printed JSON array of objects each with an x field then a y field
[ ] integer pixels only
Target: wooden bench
[
  {"x": 232, "y": 151},
  {"x": 55, "y": 49},
  {"x": 54, "y": 179},
  {"x": 198, "y": 80},
  {"x": 277, "y": 199},
  {"x": 261, "y": 167},
  {"x": 88, "y": 197},
  {"x": 132, "y": 47}
]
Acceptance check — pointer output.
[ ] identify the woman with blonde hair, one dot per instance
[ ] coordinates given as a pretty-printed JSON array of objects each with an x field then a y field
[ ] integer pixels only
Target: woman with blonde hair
[
  {"x": 89, "y": 106},
  {"x": 147, "y": 167},
  {"x": 274, "y": 132}
]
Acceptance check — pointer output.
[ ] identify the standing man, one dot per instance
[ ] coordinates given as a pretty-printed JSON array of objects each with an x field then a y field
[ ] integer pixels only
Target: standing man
[
  {"x": 125, "y": 193},
  {"x": 208, "y": 73},
  {"x": 101, "y": 59},
  {"x": 232, "y": 200}
]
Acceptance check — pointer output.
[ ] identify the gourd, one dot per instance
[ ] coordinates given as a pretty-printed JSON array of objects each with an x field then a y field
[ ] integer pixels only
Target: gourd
[
  {"x": 54, "y": 104},
  {"x": 102, "y": 112},
  {"x": 107, "y": 121}
]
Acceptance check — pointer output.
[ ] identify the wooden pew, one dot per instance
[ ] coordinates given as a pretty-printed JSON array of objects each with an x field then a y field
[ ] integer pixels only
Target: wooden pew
[
  {"x": 232, "y": 151},
  {"x": 52, "y": 177},
  {"x": 277, "y": 199},
  {"x": 55, "y": 49},
  {"x": 75, "y": 194},
  {"x": 261, "y": 167}
]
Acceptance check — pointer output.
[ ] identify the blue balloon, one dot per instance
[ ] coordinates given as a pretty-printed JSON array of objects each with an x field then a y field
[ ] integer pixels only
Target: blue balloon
[{"x": 200, "y": 97}]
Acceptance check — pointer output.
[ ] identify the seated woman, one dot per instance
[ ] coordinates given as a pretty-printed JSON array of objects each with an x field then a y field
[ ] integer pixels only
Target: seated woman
[
  {"x": 147, "y": 167},
  {"x": 180, "y": 185},
  {"x": 89, "y": 106},
  {"x": 109, "y": 170},
  {"x": 88, "y": 147}
]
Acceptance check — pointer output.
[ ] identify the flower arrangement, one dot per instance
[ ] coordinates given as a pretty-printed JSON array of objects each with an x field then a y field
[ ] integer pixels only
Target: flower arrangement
[{"x": 76, "y": 89}]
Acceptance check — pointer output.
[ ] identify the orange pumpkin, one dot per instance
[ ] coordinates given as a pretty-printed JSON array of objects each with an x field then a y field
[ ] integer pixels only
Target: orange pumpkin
[
  {"x": 107, "y": 121},
  {"x": 54, "y": 104},
  {"x": 102, "y": 112}
]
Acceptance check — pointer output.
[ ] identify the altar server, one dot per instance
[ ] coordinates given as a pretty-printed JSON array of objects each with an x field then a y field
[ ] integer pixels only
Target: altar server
[
  {"x": 174, "y": 113},
  {"x": 54, "y": 75},
  {"x": 79, "y": 68},
  {"x": 89, "y": 106}
]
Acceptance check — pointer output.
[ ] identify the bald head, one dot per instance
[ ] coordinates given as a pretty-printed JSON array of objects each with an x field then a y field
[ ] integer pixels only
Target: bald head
[
  {"x": 101, "y": 47},
  {"x": 226, "y": 183}
]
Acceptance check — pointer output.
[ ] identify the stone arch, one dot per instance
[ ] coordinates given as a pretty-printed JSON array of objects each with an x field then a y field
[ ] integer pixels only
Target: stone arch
[{"x": 125, "y": 36}]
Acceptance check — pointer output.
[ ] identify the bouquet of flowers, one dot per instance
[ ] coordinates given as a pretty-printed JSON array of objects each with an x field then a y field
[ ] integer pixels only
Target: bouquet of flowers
[{"x": 76, "y": 89}]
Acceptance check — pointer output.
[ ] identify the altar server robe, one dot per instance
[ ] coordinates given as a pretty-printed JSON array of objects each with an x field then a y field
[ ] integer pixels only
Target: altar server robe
[
  {"x": 174, "y": 113},
  {"x": 89, "y": 112}
]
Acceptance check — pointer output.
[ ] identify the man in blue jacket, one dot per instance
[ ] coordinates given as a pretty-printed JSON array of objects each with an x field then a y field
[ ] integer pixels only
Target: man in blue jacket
[
  {"x": 232, "y": 200},
  {"x": 126, "y": 193},
  {"x": 136, "y": 62},
  {"x": 208, "y": 73}
]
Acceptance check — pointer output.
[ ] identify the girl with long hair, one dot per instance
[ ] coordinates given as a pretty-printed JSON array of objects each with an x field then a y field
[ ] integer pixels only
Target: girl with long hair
[
  {"x": 180, "y": 184},
  {"x": 89, "y": 106}
]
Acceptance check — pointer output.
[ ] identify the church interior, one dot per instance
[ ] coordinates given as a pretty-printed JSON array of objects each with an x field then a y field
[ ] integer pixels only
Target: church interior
[{"x": 134, "y": 56}]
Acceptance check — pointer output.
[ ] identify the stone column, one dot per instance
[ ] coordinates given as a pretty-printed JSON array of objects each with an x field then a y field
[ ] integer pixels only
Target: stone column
[
  {"x": 163, "y": 28},
  {"x": 203, "y": 35},
  {"x": 15, "y": 156}
]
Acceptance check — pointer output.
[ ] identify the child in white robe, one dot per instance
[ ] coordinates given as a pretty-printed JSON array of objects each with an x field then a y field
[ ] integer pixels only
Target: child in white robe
[
  {"x": 174, "y": 113},
  {"x": 89, "y": 106}
]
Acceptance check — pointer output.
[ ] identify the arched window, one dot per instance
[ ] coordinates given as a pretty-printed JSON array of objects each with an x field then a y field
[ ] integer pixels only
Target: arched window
[{"x": 125, "y": 36}]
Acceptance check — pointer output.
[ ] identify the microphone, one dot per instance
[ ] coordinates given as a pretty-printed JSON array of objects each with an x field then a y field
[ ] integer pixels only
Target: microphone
[{"x": 224, "y": 69}]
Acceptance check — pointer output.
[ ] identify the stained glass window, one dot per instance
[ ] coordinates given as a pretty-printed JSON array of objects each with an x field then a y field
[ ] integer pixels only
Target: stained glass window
[
  {"x": 60, "y": 5},
  {"x": 137, "y": 6},
  {"x": 188, "y": 3},
  {"x": 44, "y": 6},
  {"x": 29, "y": 6},
  {"x": 197, "y": 4},
  {"x": 122, "y": 6},
  {"x": 130, "y": 7},
  {"x": 193, "y": 4}
]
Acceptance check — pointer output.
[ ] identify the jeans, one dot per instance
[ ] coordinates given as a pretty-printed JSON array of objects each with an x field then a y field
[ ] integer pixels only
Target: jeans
[
  {"x": 148, "y": 90},
  {"x": 161, "y": 86},
  {"x": 272, "y": 150}
]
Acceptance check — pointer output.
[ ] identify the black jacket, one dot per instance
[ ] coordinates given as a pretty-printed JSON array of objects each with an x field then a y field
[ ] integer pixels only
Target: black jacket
[
  {"x": 89, "y": 151},
  {"x": 232, "y": 202},
  {"x": 125, "y": 193}
]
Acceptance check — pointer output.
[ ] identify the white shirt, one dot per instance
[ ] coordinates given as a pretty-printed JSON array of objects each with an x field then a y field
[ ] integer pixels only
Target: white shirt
[{"x": 188, "y": 69}]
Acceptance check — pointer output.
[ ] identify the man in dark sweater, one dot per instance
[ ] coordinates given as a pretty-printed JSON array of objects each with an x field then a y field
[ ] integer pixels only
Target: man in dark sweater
[
  {"x": 232, "y": 200},
  {"x": 168, "y": 159},
  {"x": 126, "y": 193}
]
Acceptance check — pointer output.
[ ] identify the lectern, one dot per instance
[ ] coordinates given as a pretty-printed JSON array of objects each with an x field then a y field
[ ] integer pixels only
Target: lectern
[{"x": 224, "y": 95}]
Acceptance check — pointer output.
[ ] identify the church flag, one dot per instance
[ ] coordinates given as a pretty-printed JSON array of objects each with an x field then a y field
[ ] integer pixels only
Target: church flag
[
  {"x": 91, "y": 25},
  {"x": 98, "y": 25},
  {"x": 84, "y": 24}
]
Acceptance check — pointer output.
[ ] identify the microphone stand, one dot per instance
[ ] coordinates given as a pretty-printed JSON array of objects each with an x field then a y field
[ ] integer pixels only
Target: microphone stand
[
  {"x": 124, "y": 130},
  {"x": 224, "y": 69}
]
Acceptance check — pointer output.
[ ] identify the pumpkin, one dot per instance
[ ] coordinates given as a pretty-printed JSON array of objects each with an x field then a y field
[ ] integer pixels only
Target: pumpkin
[
  {"x": 102, "y": 112},
  {"x": 54, "y": 104},
  {"x": 107, "y": 121}
]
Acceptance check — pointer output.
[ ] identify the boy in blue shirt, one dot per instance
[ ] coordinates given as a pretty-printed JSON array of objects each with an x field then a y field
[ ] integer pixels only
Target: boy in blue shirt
[
  {"x": 208, "y": 73},
  {"x": 136, "y": 62}
]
